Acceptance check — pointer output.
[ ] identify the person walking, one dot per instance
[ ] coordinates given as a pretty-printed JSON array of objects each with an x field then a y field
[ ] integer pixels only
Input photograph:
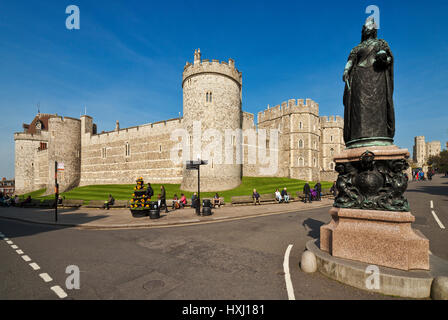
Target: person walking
[
  {"x": 149, "y": 191},
  {"x": 307, "y": 192},
  {"x": 318, "y": 188},
  {"x": 163, "y": 198}
]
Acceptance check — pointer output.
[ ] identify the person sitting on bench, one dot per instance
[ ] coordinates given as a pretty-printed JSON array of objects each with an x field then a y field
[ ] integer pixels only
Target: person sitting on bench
[
  {"x": 285, "y": 195},
  {"x": 278, "y": 196},
  {"x": 216, "y": 200},
  {"x": 109, "y": 202},
  {"x": 256, "y": 197}
]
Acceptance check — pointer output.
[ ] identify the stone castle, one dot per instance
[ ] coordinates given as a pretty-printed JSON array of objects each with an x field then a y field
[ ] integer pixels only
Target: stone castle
[
  {"x": 423, "y": 150},
  {"x": 212, "y": 94}
]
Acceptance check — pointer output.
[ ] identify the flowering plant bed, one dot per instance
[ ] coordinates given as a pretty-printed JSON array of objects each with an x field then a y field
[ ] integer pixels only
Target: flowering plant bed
[{"x": 140, "y": 202}]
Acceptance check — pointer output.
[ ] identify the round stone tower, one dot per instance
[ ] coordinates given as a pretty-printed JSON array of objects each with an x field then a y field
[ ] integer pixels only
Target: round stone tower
[{"x": 212, "y": 116}]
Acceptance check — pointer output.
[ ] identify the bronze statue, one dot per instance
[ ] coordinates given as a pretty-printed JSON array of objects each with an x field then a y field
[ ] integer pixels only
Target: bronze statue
[{"x": 369, "y": 110}]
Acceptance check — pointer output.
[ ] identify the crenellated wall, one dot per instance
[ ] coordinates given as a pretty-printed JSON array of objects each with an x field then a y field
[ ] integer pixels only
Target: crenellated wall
[{"x": 148, "y": 155}]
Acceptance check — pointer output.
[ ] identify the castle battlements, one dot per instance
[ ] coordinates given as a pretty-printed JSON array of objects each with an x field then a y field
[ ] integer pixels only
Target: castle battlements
[
  {"x": 160, "y": 127},
  {"x": 332, "y": 122},
  {"x": 215, "y": 66},
  {"x": 289, "y": 107}
]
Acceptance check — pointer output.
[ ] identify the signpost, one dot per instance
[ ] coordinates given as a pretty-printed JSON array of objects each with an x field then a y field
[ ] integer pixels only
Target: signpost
[
  {"x": 196, "y": 165},
  {"x": 57, "y": 167}
]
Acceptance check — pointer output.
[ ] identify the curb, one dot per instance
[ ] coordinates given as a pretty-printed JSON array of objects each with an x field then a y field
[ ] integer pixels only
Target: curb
[
  {"x": 408, "y": 284},
  {"x": 188, "y": 222}
]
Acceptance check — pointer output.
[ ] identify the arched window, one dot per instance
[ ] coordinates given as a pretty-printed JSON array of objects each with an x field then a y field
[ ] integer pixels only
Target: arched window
[
  {"x": 301, "y": 163},
  {"x": 332, "y": 166},
  {"x": 206, "y": 97},
  {"x": 210, "y": 96},
  {"x": 331, "y": 151},
  {"x": 127, "y": 149},
  {"x": 331, "y": 138},
  {"x": 300, "y": 125},
  {"x": 300, "y": 143},
  {"x": 315, "y": 162}
]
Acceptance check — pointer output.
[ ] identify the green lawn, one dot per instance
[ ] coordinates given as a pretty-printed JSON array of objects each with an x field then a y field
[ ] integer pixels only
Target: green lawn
[
  {"x": 34, "y": 194},
  {"x": 124, "y": 191}
]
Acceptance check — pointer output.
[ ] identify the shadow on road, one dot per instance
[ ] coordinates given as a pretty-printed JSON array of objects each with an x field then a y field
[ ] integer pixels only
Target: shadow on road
[
  {"x": 433, "y": 190},
  {"x": 9, "y": 216},
  {"x": 313, "y": 227}
]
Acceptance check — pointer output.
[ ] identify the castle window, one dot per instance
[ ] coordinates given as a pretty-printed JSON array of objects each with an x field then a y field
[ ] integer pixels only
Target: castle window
[
  {"x": 332, "y": 166},
  {"x": 103, "y": 153},
  {"x": 314, "y": 162},
  {"x": 160, "y": 148},
  {"x": 300, "y": 143},
  {"x": 301, "y": 162},
  {"x": 331, "y": 138},
  {"x": 300, "y": 125},
  {"x": 331, "y": 151},
  {"x": 127, "y": 149},
  {"x": 208, "y": 97}
]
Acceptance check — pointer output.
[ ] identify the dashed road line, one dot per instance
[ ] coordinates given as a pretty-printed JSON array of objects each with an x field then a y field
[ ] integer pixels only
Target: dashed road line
[
  {"x": 431, "y": 204},
  {"x": 60, "y": 293},
  {"x": 289, "y": 287},
  {"x": 45, "y": 277},
  {"x": 34, "y": 265},
  {"x": 437, "y": 220}
]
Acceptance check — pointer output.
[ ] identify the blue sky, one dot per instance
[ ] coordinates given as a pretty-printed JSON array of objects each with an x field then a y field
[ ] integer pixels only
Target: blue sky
[{"x": 126, "y": 60}]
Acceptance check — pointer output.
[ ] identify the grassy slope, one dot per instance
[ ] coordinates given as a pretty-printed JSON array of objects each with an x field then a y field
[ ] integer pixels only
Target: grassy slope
[
  {"x": 124, "y": 191},
  {"x": 34, "y": 194}
]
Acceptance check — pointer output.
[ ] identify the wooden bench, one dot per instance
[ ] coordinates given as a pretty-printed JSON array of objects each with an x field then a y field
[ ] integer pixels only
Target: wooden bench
[
  {"x": 291, "y": 198},
  {"x": 33, "y": 204},
  {"x": 235, "y": 200},
  {"x": 268, "y": 198},
  {"x": 95, "y": 204},
  {"x": 300, "y": 196},
  {"x": 47, "y": 203},
  {"x": 212, "y": 199},
  {"x": 120, "y": 204},
  {"x": 72, "y": 203}
]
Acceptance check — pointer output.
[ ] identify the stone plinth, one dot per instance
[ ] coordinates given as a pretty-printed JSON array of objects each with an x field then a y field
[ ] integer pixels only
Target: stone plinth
[{"x": 383, "y": 238}]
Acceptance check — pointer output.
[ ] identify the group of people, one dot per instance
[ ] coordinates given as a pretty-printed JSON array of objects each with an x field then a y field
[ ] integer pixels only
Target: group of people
[
  {"x": 311, "y": 194},
  {"x": 8, "y": 201},
  {"x": 420, "y": 175},
  {"x": 195, "y": 200}
]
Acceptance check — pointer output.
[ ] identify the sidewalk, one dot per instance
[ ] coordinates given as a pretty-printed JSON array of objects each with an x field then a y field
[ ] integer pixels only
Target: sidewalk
[{"x": 86, "y": 218}]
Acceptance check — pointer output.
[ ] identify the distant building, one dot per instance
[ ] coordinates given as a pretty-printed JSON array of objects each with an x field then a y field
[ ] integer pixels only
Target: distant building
[
  {"x": 7, "y": 186},
  {"x": 423, "y": 150}
]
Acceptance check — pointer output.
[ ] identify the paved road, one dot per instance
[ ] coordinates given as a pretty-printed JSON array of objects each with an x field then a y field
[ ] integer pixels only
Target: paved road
[{"x": 240, "y": 259}]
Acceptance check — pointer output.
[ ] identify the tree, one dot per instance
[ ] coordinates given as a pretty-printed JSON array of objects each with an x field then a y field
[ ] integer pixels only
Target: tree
[{"x": 439, "y": 162}]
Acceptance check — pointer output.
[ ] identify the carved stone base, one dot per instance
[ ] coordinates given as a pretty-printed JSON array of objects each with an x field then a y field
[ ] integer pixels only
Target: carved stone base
[{"x": 383, "y": 238}]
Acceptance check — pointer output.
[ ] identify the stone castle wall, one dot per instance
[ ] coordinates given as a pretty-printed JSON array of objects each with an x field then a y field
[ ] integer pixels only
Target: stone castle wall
[{"x": 121, "y": 156}]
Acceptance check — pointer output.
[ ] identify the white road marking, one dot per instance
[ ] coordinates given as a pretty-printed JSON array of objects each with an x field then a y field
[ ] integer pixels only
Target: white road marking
[
  {"x": 289, "y": 287},
  {"x": 6, "y": 239},
  {"x": 26, "y": 258},
  {"x": 14, "y": 246},
  {"x": 34, "y": 265},
  {"x": 431, "y": 204},
  {"x": 19, "y": 251},
  {"x": 9, "y": 242},
  {"x": 437, "y": 219},
  {"x": 429, "y": 251},
  {"x": 58, "y": 290},
  {"x": 45, "y": 277}
]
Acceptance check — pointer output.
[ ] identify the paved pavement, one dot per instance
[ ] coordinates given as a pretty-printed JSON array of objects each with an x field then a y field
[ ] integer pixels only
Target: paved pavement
[
  {"x": 122, "y": 218},
  {"x": 235, "y": 259}
]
